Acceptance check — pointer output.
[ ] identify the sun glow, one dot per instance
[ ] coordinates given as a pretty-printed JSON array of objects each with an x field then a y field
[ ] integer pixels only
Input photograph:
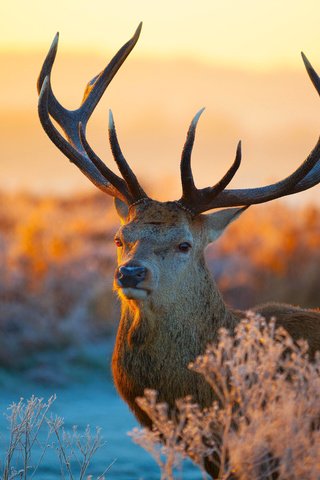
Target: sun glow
[
  {"x": 238, "y": 58},
  {"x": 244, "y": 32}
]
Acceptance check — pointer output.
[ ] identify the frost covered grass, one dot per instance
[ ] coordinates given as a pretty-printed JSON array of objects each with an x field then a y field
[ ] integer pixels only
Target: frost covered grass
[
  {"x": 57, "y": 260},
  {"x": 265, "y": 423},
  {"x": 34, "y": 433}
]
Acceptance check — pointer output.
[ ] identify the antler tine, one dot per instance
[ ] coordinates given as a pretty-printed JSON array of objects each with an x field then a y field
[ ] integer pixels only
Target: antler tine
[
  {"x": 314, "y": 77},
  {"x": 226, "y": 179},
  {"x": 308, "y": 172},
  {"x": 305, "y": 177},
  {"x": 116, "y": 181},
  {"x": 68, "y": 149},
  {"x": 197, "y": 199},
  {"x": 96, "y": 87},
  {"x": 73, "y": 123},
  {"x": 131, "y": 180},
  {"x": 48, "y": 62},
  {"x": 188, "y": 186},
  {"x": 70, "y": 119},
  {"x": 56, "y": 109}
]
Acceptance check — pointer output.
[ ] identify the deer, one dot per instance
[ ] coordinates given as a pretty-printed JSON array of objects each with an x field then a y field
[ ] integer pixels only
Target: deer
[{"x": 171, "y": 308}]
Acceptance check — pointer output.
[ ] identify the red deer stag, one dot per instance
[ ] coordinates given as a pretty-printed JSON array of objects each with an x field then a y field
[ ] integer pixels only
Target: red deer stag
[{"x": 171, "y": 307}]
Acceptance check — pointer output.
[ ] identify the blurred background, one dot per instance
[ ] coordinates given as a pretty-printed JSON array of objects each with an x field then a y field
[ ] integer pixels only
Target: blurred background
[{"x": 239, "y": 59}]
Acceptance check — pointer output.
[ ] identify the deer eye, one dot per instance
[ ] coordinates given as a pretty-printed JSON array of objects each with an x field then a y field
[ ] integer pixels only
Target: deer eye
[
  {"x": 184, "y": 247},
  {"x": 118, "y": 242}
]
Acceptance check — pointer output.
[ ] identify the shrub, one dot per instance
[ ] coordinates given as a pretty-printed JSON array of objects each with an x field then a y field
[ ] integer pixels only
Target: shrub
[
  {"x": 265, "y": 422},
  {"x": 33, "y": 433}
]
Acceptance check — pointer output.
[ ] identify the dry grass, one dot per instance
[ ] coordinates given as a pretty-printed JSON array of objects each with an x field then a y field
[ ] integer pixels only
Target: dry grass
[{"x": 265, "y": 421}]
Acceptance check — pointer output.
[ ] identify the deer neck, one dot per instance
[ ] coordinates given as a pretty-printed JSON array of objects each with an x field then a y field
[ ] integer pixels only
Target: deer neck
[
  {"x": 195, "y": 316},
  {"x": 155, "y": 339}
]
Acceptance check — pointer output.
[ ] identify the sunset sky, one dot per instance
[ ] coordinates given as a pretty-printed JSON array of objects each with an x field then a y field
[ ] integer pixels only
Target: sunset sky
[
  {"x": 239, "y": 58},
  {"x": 252, "y": 33}
]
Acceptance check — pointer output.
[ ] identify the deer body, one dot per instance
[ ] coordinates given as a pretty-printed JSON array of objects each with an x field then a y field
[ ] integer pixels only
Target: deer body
[
  {"x": 181, "y": 313},
  {"x": 171, "y": 307}
]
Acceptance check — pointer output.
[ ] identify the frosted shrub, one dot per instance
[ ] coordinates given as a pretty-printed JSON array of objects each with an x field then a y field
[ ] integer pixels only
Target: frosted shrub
[
  {"x": 265, "y": 422},
  {"x": 25, "y": 420},
  {"x": 33, "y": 434}
]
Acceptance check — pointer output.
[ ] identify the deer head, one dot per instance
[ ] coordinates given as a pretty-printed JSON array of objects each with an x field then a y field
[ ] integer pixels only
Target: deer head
[{"x": 160, "y": 244}]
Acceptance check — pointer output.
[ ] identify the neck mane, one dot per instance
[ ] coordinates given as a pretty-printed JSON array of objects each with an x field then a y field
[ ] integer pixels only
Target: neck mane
[
  {"x": 156, "y": 343},
  {"x": 198, "y": 313}
]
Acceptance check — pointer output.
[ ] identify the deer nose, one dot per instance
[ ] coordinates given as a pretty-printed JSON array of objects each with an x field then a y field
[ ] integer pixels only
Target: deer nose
[{"x": 130, "y": 276}]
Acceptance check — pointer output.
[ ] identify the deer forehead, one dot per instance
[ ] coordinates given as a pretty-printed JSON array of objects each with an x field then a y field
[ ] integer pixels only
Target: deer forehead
[
  {"x": 160, "y": 222},
  {"x": 156, "y": 234},
  {"x": 154, "y": 212}
]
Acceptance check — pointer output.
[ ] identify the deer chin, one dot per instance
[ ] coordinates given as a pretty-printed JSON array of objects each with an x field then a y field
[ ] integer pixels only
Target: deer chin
[{"x": 134, "y": 293}]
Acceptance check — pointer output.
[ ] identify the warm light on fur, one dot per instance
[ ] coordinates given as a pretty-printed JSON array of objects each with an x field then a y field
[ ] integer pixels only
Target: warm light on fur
[
  {"x": 171, "y": 306},
  {"x": 160, "y": 335}
]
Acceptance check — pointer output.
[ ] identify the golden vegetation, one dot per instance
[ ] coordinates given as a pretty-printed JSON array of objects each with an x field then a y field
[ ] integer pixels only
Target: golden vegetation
[
  {"x": 272, "y": 253},
  {"x": 57, "y": 260}
]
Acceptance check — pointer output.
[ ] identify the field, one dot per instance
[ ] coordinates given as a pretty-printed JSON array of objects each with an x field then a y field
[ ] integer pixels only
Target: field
[{"x": 57, "y": 259}]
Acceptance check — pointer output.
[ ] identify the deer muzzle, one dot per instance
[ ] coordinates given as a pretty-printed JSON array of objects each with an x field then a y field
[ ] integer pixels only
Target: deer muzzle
[{"x": 130, "y": 276}]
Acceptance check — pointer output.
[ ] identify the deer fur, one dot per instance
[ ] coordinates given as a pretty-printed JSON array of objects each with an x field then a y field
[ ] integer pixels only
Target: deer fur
[
  {"x": 171, "y": 306},
  {"x": 178, "y": 308}
]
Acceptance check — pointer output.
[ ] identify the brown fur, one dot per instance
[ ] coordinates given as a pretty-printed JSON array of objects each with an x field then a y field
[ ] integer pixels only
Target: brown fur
[
  {"x": 161, "y": 334},
  {"x": 175, "y": 310},
  {"x": 300, "y": 323}
]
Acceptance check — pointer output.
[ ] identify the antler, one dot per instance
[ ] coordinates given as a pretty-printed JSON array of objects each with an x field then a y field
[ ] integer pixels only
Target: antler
[
  {"x": 77, "y": 149},
  {"x": 200, "y": 200},
  {"x": 314, "y": 77},
  {"x": 73, "y": 123}
]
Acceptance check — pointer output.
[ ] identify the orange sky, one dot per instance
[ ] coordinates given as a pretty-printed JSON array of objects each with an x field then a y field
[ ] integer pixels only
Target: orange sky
[
  {"x": 251, "y": 33},
  {"x": 222, "y": 55}
]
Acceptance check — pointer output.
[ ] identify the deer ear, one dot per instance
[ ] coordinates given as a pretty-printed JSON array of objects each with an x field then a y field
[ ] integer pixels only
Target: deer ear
[
  {"x": 217, "y": 222},
  {"x": 122, "y": 209}
]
